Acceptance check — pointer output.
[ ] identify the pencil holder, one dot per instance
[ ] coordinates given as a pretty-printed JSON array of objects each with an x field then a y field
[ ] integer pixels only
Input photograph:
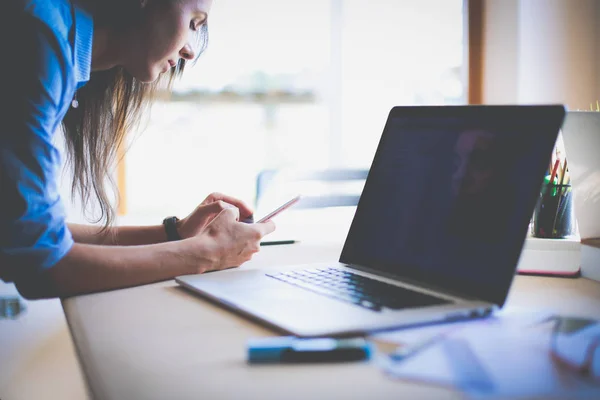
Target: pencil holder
[{"x": 553, "y": 215}]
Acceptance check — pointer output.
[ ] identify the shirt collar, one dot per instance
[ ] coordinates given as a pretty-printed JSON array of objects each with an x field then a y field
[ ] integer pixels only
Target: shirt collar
[{"x": 84, "y": 29}]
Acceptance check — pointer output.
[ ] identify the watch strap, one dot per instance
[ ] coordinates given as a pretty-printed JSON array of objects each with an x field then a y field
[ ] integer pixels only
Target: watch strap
[{"x": 170, "y": 224}]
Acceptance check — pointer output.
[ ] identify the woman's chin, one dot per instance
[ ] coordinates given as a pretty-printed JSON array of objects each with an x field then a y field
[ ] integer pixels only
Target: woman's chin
[{"x": 147, "y": 76}]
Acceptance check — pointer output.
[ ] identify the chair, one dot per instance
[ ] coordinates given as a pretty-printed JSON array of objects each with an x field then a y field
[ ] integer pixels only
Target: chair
[{"x": 319, "y": 188}]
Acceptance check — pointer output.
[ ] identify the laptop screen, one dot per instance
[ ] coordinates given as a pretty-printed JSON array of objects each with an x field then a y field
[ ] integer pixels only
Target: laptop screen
[{"x": 450, "y": 194}]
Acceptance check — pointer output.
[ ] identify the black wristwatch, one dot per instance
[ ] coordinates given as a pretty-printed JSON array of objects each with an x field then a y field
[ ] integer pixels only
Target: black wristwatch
[{"x": 170, "y": 224}]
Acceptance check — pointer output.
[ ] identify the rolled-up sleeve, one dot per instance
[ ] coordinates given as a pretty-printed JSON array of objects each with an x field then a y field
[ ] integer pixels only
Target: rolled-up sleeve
[{"x": 33, "y": 231}]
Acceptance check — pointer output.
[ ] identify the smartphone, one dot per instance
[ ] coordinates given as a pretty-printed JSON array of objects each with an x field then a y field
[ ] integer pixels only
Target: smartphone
[{"x": 279, "y": 209}]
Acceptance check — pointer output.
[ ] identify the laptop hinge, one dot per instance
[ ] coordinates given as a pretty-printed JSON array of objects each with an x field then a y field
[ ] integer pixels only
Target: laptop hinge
[{"x": 414, "y": 282}]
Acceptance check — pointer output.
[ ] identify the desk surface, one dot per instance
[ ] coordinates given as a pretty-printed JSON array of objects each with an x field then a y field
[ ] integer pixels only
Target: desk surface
[{"x": 159, "y": 341}]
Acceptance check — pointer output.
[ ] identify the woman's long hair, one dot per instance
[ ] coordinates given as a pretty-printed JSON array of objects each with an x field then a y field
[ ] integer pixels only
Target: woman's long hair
[{"x": 110, "y": 104}]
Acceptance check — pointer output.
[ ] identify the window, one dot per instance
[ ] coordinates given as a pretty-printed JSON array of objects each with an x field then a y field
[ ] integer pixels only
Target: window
[{"x": 291, "y": 84}]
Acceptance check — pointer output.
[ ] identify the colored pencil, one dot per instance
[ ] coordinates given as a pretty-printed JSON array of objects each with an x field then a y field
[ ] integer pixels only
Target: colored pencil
[
  {"x": 554, "y": 170},
  {"x": 560, "y": 194},
  {"x": 550, "y": 192}
]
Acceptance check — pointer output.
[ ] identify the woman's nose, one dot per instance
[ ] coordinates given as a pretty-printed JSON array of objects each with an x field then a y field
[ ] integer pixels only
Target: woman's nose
[{"x": 187, "y": 53}]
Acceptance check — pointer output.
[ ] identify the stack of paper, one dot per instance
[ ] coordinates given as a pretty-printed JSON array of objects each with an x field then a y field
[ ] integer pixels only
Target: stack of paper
[{"x": 504, "y": 356}]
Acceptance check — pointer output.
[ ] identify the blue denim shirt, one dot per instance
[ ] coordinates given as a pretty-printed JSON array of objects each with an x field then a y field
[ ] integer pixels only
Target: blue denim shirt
[{"x": 46, "y": 57}]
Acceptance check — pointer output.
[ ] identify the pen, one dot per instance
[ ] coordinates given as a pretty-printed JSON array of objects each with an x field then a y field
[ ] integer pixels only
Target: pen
[
  {"x": 554, "y": 171},
  {"x": 551, "y": 184},
  {"x": 277, "y": 242},
  {"x": 560, "y": 194}
]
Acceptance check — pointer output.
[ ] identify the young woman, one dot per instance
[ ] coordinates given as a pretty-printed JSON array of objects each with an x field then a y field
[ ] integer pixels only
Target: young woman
[{"x": 92, "y": 65}]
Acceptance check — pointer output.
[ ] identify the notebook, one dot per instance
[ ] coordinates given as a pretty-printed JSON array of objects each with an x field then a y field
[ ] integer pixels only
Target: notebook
[
  {"x": 581, "y": 135},
  {"x": 436, "y": 236}
]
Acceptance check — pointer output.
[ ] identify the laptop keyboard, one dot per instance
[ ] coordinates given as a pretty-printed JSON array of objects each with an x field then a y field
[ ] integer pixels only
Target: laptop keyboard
[{"x": 356, "y": 289}]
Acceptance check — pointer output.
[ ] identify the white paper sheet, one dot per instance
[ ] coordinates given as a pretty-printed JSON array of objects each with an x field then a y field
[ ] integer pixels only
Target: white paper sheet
[
  {"x": 510, "y": 318},
  {"x": 502, "y": 357}
]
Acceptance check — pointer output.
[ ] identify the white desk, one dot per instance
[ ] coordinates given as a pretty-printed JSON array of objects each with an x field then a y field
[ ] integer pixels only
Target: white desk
[{"x": 161, "y": 342}]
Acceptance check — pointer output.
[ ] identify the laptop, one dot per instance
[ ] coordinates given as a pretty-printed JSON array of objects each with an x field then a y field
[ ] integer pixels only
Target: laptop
[{"x": 436, "y": 235}]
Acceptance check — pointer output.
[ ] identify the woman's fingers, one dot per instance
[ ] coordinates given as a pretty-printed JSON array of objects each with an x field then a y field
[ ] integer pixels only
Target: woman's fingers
[
  {"x": 245, "y": 210},
  {"x": 218, "y": 206},
  {"x": 235, "y": 242},
  {"x": 265, "y": 227},
  {"x": 230, "y": 212}
]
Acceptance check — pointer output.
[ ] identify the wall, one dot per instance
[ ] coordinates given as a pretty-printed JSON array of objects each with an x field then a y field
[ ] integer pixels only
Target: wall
[
  {"x": 542, "y": 51},
  {"x": 501, "y": 31},
  {"x": 597, "y": 51}
]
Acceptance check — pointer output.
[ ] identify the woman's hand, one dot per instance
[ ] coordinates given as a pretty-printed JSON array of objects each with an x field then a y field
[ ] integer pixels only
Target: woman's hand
[
  {"x": 215, "y": 240},
  {"x": 213, "y": 205},
  {"x": 225, "y": 242}
]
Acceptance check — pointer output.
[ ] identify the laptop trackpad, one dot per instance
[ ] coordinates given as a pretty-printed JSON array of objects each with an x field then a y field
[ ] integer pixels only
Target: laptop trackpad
[
  {"x": 253, "y": 284},
  {"x": 254, "y": 290}
]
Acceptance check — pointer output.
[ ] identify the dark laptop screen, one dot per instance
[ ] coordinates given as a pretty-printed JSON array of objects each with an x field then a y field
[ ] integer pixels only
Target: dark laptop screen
[{"x": 450, "y": 194}]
